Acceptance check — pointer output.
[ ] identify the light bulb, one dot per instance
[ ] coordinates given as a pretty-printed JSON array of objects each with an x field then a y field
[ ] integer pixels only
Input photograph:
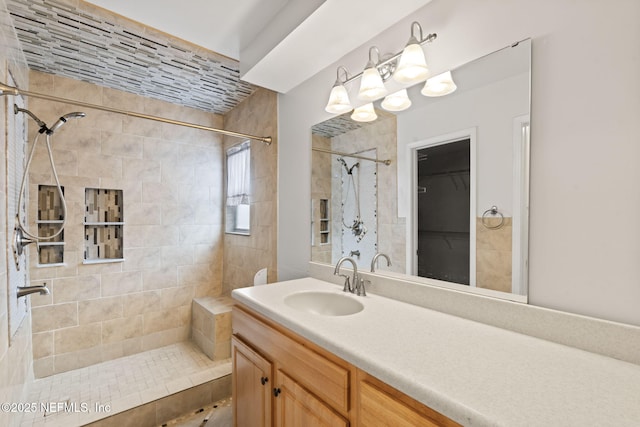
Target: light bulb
[
  {"x": 439, "y": 85},
  {"x": 397, "y": 101},
  {"x": 412, "y": 66},
  {"x": 365, "y": 113},
  {"x": 338, "y": 100},
  {"x": 371, "y": 84}
]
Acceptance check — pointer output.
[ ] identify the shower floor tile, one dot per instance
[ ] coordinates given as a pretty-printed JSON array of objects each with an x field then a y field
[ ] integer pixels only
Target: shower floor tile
[{"x": 85, "y": 395}]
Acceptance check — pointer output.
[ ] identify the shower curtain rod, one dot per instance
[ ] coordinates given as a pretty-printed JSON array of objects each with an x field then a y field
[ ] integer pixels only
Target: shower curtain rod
[
  {"x": 338, "y": 153},
  {"x": 10, "y": 90}
]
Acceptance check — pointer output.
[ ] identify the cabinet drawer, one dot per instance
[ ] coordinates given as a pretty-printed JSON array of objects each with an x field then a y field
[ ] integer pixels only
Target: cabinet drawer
[{"x": 321, "y": 376}]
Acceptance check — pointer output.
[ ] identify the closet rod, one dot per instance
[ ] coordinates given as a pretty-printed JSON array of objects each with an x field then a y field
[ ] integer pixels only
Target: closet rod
[
  {"x": 10, "y": 90},
  {"x": 355, "y": 156}
]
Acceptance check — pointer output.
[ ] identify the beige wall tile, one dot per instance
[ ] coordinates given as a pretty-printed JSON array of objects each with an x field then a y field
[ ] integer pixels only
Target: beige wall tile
[
  {"x": 75, "y": 360},
  {"x": 161, "y": 338},
  {"x": 122, "y": 329},
  {"x": 99, "y": 310},
  {"x": 51, "y": 317},
  {"x": 77, "y": 338},
  {"x": 161, "y": 320},
  {"x": 76, "y": 288},
  {"x": 141, "y": 170},
  {"x": 165, "y": 277},
  {"x": 121, "y": 145},
  {"x": 42, "y": 345},
  {"x": 105, "y": 166},
  {"x": 121, "y": 283},
  {"x": 195, "y": 275},
  {"x": 43, "y": 367},
  {"x": 141, "y": 303},
  {"x": 176, "y": 297},
  {"x": 144, "y": 214}
]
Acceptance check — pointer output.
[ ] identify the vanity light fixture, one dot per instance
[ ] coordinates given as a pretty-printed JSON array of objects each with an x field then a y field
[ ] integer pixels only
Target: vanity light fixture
[
  {"x": 407, "y": 67},
  {"x": 412, "y": 66},
  {"x": 439, "y": 85},
  {"x": 339, "y": 98},
  {"x": 397, "y": 101},
  {"x": 371, "y": 84},
  {"x": 365, "y": 113}
]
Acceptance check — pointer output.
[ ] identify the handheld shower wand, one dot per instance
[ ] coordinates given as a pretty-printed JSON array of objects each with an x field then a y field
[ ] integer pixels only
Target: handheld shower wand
[
  {"x": 22, "y": 236},
  {"x": 62, "y": 120}
]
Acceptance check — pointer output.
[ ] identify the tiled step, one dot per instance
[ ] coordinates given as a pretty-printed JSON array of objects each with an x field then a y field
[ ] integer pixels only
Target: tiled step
[{"x": 211, "y": 326}]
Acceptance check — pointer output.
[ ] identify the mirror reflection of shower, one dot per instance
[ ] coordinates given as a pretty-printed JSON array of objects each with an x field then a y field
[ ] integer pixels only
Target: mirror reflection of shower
[
  {"x": 356, "y": 225},
  {"x": 23, "y": 236},
  {"x": 355, "y": 192}
]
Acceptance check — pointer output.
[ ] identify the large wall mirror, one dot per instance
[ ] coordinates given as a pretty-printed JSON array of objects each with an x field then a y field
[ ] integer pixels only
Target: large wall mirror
[{"x": 441, "y": 187}]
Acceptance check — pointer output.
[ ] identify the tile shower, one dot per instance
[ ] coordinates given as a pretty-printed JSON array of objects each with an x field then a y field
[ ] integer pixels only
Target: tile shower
[
  {"x": 172, "y": 244},
  {"x": 102, "y": 311}
]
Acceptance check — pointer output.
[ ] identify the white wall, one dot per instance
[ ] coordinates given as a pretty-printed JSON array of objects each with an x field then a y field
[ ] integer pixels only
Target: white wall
[{"x": 584, "y": 227}]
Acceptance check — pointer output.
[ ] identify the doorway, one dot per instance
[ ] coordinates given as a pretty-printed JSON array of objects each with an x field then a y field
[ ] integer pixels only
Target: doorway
[{"x": 444, "y": 207}]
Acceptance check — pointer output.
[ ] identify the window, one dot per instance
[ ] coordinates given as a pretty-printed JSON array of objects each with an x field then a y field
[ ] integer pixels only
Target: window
[{"x": 238, "y": 212}]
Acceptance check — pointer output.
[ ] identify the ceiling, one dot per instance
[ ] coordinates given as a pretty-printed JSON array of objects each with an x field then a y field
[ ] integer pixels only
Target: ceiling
[{"x": 206, "y": 54}]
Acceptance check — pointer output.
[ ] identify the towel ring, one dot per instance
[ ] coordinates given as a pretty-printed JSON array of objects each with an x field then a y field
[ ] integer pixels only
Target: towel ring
[{"x": 493, "y": 211}]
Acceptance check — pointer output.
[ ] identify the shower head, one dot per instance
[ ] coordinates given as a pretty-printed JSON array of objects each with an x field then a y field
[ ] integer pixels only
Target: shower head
[
  {"x": 62, "y": 120},
  {"x": 346, "y": 167}
]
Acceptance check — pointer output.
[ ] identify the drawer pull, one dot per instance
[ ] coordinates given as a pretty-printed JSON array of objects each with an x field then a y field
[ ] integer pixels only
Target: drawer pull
[
  {"x": 276, "y": 392},
  {"x": 264, "y": 380}
]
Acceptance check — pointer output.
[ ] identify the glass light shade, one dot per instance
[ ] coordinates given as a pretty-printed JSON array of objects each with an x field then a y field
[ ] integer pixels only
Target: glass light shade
[
  {"x": 397, "y": 101},
  {"x": 371, "y": 85},
  {"x": 439, "y": 85},
  {"x": 366, "y": 113},
  {"x": 338, "y": 100},
  {"x": 412, "y": 66}
]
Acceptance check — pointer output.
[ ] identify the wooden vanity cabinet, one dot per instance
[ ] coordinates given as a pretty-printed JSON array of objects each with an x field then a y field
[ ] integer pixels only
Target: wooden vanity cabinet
[
  {"x": 307, "y": 386},
  {"x": 281, "y": 379},
  {"x": 251, "y": 385}
]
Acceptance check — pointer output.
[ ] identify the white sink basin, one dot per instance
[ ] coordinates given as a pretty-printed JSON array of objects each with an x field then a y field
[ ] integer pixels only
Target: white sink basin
[{"x": 324, "y": 303}]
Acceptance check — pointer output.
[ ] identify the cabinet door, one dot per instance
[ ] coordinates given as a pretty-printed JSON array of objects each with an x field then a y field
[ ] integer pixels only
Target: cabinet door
[
  {"x": 251, "y": 386},
  {"x": 295, "y": 406}
]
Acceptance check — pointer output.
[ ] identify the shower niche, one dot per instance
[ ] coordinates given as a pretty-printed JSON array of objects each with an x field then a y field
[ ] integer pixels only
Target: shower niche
[
  {"x": 103, "y": 226},
  {"x": 50, "y": 218}
]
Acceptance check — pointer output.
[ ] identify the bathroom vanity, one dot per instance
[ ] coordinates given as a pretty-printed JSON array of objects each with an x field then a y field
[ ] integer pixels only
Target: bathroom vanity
[
  {"x": 282, "y": 376},
  {"x": 380, "y": 359}
]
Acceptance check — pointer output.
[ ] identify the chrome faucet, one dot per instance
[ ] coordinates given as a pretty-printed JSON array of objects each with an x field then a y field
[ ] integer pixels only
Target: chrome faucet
[
  {"x": 375, "y": 259},
  {"x": 348, "y": 287},
  {"x": 26, "y": 290}
]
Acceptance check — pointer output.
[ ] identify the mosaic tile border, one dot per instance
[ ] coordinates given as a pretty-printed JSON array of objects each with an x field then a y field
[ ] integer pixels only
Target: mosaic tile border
[{"x": 84, "y": 42}]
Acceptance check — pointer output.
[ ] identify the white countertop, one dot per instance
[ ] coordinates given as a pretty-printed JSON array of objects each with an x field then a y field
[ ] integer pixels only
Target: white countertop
[{"x": 476, "y": 374}]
